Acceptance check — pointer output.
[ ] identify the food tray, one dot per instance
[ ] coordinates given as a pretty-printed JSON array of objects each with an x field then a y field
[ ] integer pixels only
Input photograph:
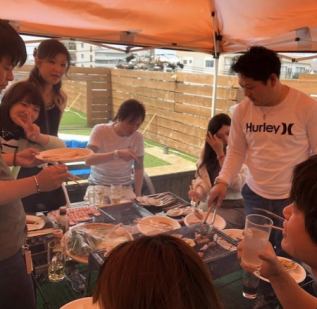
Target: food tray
[{"x": 161, "y": 201}]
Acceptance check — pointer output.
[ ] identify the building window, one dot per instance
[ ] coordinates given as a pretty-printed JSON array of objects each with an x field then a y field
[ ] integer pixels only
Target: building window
[
  {"x": 209, "y": 63},
  {"x": 72, "y": 45},
  {"x": 187, "y": 61},
  {"x": 227, "y": 64},
  {"x": 82, "y": 56}
]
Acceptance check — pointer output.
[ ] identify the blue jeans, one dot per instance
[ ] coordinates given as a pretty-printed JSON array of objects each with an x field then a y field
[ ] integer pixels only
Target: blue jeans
[
  {"x": 16, "y": 287},
  {"x": 253, "y": 200}
]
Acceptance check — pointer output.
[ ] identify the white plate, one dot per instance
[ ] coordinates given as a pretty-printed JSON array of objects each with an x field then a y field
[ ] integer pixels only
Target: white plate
[
  {"x": 34, "y": 223},
  {"x": 81, "y": 303},
  {"x": 100, "y": 230},
  {"x": 233, "y": 233},
  {"x": 181, "y": 211},
  {"x": 298, "y": 272},
  {"x": 64, "y": 155},
  {"x": 153, "y": 225},
  {"x": 191, "y": 218}
]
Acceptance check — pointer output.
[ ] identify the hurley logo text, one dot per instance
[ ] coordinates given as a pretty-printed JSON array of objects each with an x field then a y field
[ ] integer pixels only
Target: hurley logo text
[{"x": 282, "y": 128}]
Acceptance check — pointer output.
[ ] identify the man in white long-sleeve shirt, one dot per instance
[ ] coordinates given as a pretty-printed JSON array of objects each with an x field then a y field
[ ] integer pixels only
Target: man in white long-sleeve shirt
[{"x": 273, "y": 129}]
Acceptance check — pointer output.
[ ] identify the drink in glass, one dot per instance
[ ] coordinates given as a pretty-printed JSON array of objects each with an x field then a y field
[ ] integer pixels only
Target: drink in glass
[
  {"x": 115, "y": 194},
  {"x": 99, "y": 196},
  {"x": 256, "y": 235},
  {"x": 56, "y": 261},
  {"x": 91, "y": 196},
  {"x": 250, "y": 284}
]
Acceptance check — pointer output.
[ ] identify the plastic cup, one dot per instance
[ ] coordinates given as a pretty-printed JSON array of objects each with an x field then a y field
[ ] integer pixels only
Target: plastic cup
[
  {"x": 56, "y": 261},
  {"x": 249, "y": 285},
  {"x": 256, "y": 235},
  {"x": 115, "y": 194}
]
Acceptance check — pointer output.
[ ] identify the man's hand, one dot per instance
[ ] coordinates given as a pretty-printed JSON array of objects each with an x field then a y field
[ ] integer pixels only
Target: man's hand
[
  {"x": 52, "y": 177},
  {"x": 127, "y": 154},
  {"x": 217, "y": 194},
  {"x": 26, "y": 158}
]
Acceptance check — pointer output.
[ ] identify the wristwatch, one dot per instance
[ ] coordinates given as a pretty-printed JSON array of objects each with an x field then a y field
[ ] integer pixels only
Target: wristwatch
[{"x": 116, "y": 154}]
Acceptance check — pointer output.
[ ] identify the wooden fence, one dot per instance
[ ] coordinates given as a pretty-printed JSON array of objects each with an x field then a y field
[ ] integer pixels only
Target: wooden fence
[
  {"x": 178, "y": 105},
  {"x": 88, "y": 91}
]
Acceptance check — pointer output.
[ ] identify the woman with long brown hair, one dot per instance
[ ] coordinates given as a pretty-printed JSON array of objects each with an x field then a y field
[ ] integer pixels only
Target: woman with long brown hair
[
  {"x": 208, "y": 167},
  {"x": 52, "y": 61}
]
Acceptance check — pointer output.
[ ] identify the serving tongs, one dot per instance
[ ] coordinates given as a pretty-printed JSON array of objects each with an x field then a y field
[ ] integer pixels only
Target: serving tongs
[{"x": 205, "y": 227}]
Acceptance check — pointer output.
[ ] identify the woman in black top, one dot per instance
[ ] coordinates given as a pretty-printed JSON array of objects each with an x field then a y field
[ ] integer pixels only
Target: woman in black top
[{"x": 52, "y": 61}]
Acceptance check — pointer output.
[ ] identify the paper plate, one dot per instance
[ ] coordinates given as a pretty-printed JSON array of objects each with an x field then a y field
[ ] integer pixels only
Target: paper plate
[
  {"x": 101, "y": 230},
  {"x": 191, "y": 218},
  {"x": 153, "y": 225},
  {"x": 64, "y": 155},
  {"x": 34, "y": 223},
  {"x": 233, "y": 233},
  {"x": 179, "y": 211},
  {"x": 81, "y": 303},
  {"x": 294, "y": 269}
]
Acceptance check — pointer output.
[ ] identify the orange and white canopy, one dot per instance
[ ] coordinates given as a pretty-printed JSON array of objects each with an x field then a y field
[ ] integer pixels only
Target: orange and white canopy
[{"x": 282, "y": 25}]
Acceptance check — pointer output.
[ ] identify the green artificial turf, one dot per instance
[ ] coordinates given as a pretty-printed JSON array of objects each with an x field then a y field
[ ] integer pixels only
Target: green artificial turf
[
  {"x": 74, "y": 119},
  {"x": 81, "y": 131},
  {"x": 152, "y": 161}
]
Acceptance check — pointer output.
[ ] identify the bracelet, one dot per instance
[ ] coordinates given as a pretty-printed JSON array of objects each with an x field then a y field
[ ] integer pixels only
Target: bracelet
[
  {"x": 37, "y": 185},
  {"x": 218, "y": 180},
  {"x": 14, "y": 161},
  {"x": 116, "y": 154}
]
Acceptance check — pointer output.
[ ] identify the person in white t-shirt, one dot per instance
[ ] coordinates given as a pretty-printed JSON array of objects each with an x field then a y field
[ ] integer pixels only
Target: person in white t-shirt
[
  {"x": 273, "y": 129},
  {"x": 118, "y": 151}
]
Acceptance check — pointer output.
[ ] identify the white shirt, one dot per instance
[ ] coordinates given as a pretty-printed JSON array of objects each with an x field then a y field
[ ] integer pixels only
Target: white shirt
[
  {"x": 271, "y": 141},
  {"x": 115, "y": 171}
]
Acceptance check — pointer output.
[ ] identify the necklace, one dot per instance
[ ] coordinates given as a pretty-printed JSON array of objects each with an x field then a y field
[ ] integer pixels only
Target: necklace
[{"x": 265, "y": 112}]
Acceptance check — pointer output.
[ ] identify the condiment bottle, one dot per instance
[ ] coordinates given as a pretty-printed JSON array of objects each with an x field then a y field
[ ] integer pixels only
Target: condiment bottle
[{"x": 63, "y": 219}]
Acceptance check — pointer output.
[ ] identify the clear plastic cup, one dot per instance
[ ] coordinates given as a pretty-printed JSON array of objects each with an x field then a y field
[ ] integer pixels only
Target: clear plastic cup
[
  {"x": 115, "y": 194},
  {"x": 256, "y": 235},
  {"x": 56, "y": 261}
]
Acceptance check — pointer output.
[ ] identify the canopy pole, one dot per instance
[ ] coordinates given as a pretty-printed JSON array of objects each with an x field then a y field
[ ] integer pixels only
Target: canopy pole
[
  {"x": 214, "y": 87},
  {"x": 217, "y": 38}
]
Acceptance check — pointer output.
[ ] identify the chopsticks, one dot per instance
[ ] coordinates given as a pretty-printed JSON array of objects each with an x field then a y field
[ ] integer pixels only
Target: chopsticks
[
  {"x": 270, "y": 213},
  {"x": 277, "y": 228},
  {"x": 107, "y": 214},
  {"x": 74, "y": 179}
]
